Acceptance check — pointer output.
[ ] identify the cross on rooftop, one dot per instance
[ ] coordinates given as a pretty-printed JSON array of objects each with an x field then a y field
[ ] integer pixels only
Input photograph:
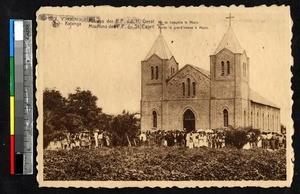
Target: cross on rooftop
[
  {"x": 229, "y": 17},
  {"x": 160, "y": 24}
]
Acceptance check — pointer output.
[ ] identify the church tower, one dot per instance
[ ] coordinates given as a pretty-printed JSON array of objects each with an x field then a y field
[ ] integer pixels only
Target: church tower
[
  {"x": 158, "y": 65},
  {"x": 229, "y": 69}
]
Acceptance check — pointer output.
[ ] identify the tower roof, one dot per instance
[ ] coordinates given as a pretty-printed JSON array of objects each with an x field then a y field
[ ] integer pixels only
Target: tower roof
[
  {"x": 160, "y": 48},
  {"x": 230, "y": 42}
]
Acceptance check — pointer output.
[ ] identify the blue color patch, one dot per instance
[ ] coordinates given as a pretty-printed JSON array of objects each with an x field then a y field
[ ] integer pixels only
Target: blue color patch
[{"x": 11, "y": 37}]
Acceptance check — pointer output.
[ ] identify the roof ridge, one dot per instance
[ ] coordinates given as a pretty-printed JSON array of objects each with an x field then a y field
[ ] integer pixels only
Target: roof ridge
[
  {"x": 229, "y": 41},
  {"x": 160, "y": 48},
  {"x": 256, "y": 97}
]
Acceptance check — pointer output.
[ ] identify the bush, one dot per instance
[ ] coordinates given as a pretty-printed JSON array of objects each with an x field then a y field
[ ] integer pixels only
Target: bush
[
  {"x": 236, "y": 137},
  {"x": 164, "y": 163}
]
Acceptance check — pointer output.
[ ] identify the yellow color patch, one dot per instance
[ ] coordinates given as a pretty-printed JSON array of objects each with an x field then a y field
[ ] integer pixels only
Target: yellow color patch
[{"x": 12, "y": 115}]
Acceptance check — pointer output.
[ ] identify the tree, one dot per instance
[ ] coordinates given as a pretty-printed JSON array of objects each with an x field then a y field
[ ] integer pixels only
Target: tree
[
  {"x": 84, "y": 104},
  {"x": 236, "y": 137},
  {"x": 124, "y": 127},
  {"x": 54, "y": 109}
]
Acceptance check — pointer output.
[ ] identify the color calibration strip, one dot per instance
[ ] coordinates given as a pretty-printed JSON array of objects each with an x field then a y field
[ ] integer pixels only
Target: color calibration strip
[
  {"x": 12, "y": 96},
  {"x": 21, "y": 97}
]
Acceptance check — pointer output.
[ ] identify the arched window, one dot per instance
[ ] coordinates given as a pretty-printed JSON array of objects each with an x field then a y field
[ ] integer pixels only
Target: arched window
[
  {"x": 188, "y": 86},
  {"x": 154, "y": 117},
  {"x": 152, "y": 72},
  {"x": 183, "y": 89},
  {"x": 228, "y": 67},
  {"x": 156, "y": 69},
  {"x": 225, "y": 116},
  {"x": 223, "y": 68},
  {"x": 245, "y": 118},
  {"x": 194, "y": 88}
]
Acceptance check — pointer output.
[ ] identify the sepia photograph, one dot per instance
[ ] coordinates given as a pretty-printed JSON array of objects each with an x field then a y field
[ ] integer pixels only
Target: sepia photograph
[{"x": 164, "y": 96}]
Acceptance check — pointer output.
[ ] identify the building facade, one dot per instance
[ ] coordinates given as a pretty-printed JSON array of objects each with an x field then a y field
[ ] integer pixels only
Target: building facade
[{"x": 192, "y": 98}]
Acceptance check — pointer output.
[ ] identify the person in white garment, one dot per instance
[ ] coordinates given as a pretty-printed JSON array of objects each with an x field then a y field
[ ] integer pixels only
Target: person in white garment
[{"x": 96, "y": 132}]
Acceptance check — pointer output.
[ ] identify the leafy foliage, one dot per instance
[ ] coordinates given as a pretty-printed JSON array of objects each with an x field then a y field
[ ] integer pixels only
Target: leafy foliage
[
  {"x": 54, "y": 112},
  {"x": 164, "y": 163},
  {"x": 79, "y": 112},
  {"x": 236, "y": 137}
]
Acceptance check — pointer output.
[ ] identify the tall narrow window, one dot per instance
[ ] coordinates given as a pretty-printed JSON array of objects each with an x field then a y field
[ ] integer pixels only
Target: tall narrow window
[
  {"x": 171, "y": 70},
  {"x": 257, "y": 122},
  {"x": 251, "y": 118},
  {"x": 156, "y": 69},
  {"x": 263, "y": 121},
  {"x": 188, "y": 86},
  {"x": 276, "y": 122},
  {"x": 152, "y": 72},
  {"x": 273, "y": 126},
  {"x": 228, "y": 67},
  {"x": 244, "y": 69},
  {"x": 154, "y": 116},
  {"x": 225, "y": 116},
  {"x": 223, "y": 68},
  {"x": 194, "y": 88},
  {"x": 183, "y": 89},
  {"x": 268, "y": 122},
  {"x": 245, "y": 118}
]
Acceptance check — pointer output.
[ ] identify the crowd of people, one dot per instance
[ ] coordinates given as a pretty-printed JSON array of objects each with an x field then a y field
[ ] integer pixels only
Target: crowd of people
[
  {"x": 193, "y": 139},
  {"x": 81, "y": 140},
  {"x": 210, "y": 138}
]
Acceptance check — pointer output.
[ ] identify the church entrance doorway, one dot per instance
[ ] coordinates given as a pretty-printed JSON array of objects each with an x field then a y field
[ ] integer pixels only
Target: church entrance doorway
[{"x": 189, "y": 120}]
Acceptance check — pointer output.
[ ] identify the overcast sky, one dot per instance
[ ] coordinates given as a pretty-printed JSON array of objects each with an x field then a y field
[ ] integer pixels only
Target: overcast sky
[{"x": 108, "y": 61}]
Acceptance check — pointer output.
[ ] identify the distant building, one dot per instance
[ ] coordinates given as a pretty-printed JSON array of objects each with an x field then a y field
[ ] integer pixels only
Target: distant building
[{"x": 194, "y": 98}]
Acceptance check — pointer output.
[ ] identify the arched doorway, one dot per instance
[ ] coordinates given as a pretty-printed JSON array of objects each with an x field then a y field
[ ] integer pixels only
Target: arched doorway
[{"x": 189, "y": 120}]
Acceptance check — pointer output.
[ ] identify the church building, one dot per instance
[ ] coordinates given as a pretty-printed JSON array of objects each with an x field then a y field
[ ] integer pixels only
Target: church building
[{"x": 193, "y": 98}]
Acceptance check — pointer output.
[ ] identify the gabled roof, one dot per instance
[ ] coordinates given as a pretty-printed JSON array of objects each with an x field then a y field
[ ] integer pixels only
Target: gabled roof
[
  {"x": 230, "y": 42},
  {"x": 255, "y": 97},
  {"x": 160, "y": 48},
  {"x": 202, "y": 71}
]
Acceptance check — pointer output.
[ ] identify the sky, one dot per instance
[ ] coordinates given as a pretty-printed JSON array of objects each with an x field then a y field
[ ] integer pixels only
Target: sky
[{"x": 108, "y": 61}]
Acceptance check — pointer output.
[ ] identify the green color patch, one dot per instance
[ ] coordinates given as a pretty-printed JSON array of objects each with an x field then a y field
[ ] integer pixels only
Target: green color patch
[{"x": 12, "y": 76}]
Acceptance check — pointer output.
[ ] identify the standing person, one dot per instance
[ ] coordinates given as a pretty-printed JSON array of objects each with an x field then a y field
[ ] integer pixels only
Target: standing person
[
  {"x": 264, "y": 140},
  {"x": 205, "y": 140},
  {"x": 269, "y": 139},
  {"x": 201, "y": 143},
  {"x": 143, "y": 138},
  {"x": 280, "y": 141},
  {"x": 107, "y": 140},
  {"x": 195, "y": 137},
  {"x": 191, "y": 143},
  {"x": 101, "y": 139},
  {"x": 165, "y": 141},
  {"x": 96, "y": 131},
  {"x": 187, "y": 139},
  {"x": 284, "y": 141},
  {"x": 183, "y": 141},
  {"x": 213, "y": 140},
  {"x": 259, "y": 141},
  {"x": 276, "y": 141},
  {"x": 273, "y": 141}
]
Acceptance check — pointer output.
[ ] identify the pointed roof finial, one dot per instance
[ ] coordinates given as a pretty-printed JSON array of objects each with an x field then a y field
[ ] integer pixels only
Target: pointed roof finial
[
  {"x": 229, "y": 17},
  {"x": 160, "y": 24}
]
